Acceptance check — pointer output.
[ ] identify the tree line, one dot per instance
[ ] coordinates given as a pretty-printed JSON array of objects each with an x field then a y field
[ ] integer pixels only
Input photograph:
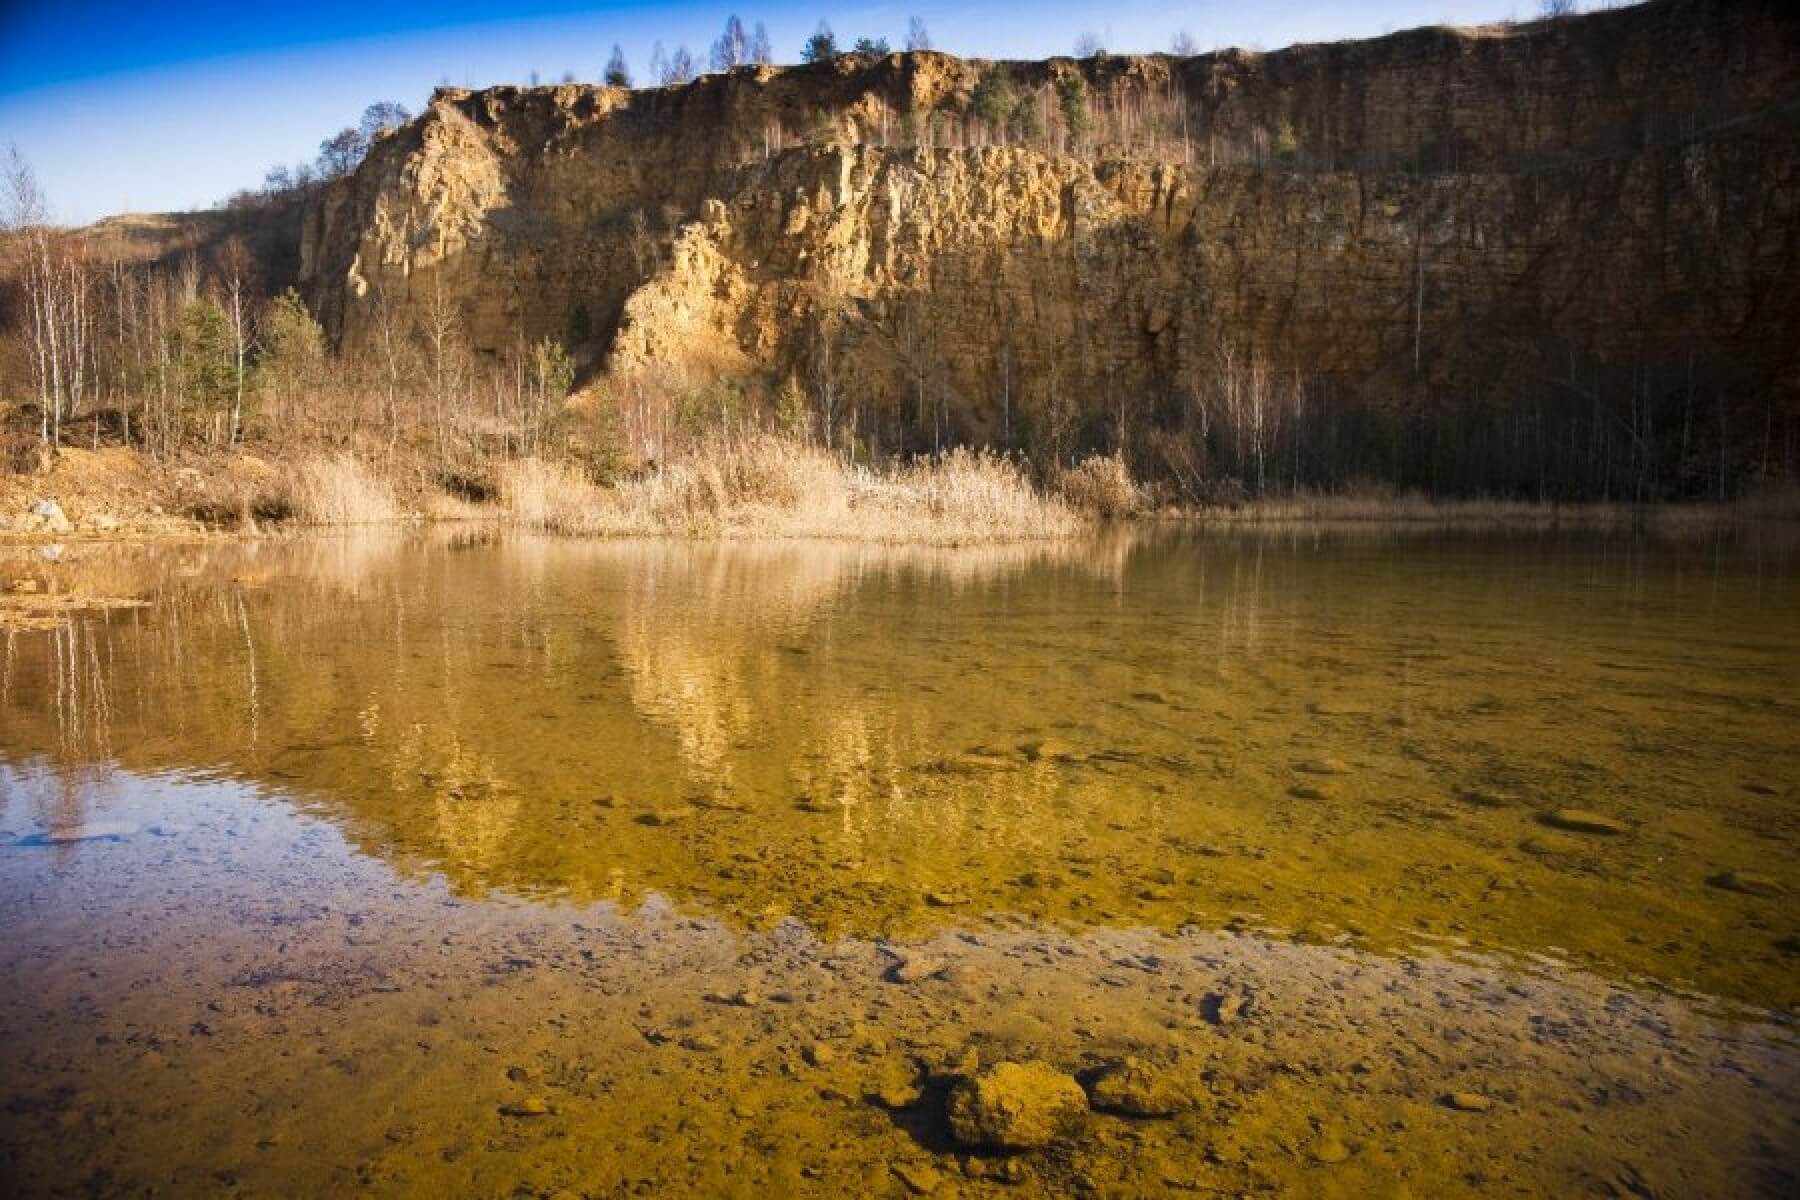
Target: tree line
[{"x": 195, "y": 355}]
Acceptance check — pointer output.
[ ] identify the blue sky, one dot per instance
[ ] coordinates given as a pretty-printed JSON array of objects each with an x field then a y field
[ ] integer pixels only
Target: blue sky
[{"x": 151, "y": 106}]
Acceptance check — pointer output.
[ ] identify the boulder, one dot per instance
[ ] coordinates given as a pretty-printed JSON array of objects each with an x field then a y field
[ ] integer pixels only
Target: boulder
[{"x": 1015, "y": 1106}]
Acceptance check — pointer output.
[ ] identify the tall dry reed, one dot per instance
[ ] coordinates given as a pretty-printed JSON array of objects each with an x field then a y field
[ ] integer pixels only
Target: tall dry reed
[
  {"x": 340, "y": 489},
  {"x": 766, "y": 486}
]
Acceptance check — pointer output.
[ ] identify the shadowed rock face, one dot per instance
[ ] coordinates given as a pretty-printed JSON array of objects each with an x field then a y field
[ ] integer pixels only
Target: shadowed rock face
[{"x": 1438, "y": 212}]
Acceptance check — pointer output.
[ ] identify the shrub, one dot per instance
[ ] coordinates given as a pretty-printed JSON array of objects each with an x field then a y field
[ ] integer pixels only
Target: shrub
[{"x": 1101, "y": 486}]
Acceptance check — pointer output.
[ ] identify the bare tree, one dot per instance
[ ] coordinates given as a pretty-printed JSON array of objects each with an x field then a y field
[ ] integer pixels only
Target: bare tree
[
  {"x": 732, "y": 49},
  {"x": 442, "y": 325},
  {"x": 1182, "y": 45},
  {"x": 235, "y": 269},
  {"x": 340, "y": 153},
  {"x": 617, "y": 73},
  {"x": 1089, "y": 45},
  {"x": 56, "y": 283},
  {"x": 680, "y": 68},
  {"x": 917, "y": 36},
  {"x": 1556, "y": 8},
  {"x": 761, "y": 51},
  {"x": 380, "y": 117}
]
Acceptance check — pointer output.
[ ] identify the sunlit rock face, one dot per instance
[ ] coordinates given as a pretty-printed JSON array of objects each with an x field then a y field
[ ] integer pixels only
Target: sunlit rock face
[{"x": 1428, "y": 218}]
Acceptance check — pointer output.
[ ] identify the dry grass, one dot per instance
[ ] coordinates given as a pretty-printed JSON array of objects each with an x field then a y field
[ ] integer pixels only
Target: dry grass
[
  {"x": 546, "y": 495},
  {"x": 767, "y": 487},
  {"x": 1101, "y": 485},
  {"x": 340, "y": 490}
]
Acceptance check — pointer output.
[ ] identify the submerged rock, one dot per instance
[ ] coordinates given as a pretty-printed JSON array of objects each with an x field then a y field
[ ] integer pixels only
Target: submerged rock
[
  {"x": 93, "y": 831},
  {"x": 1482, "y": 798},
  {"x": 921, "y": 1179},
  {"x": 1744, "y": 883},
  {"x": 1330, "y": 1150},
  {"x": 1322, "y": 766},
  {"x": 1051, "y": 749},
  {"x": 1470, "y": 1102},
  {"x": 1228, "y": 1005},
  {"x": 896, "y": 1085},
  {"x": 666, "y": 816},
  {"x": 916, "y": 968},
  {"x": 1015, "y": 1106},
  {"x": 1137, "y": 1089},
  {"x": 1581, "y": 820}
]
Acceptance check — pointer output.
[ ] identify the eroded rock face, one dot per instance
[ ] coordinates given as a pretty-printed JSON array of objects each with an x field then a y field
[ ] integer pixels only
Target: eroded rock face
[
  {"x": 1430, "y": 211},
  {"x": 1015, "y": 1106}
]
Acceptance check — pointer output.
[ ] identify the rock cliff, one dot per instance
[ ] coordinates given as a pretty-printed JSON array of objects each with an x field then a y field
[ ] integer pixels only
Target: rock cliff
[{"x": 1518, "y": 227}]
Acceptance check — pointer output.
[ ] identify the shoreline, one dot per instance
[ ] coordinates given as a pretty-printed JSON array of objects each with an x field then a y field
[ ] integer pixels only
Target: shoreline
[{"x": 762, "y": 490}]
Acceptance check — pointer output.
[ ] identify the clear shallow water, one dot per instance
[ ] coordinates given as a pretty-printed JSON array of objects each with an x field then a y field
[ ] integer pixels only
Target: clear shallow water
[{"x": 398, "y": 832}]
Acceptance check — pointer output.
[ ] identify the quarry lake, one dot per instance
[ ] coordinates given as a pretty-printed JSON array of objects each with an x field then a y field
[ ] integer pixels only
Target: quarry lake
[{"x": 1357, "y": 862}]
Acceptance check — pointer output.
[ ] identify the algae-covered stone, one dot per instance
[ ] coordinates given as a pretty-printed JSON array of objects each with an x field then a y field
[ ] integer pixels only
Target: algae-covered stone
[
  {"x": 1015, "y": 1106},
  {"x": 1135, "y": 1088}
]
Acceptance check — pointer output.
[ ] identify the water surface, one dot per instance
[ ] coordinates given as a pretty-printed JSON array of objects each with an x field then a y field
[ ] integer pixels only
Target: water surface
[{"x": 319, "y": 864}]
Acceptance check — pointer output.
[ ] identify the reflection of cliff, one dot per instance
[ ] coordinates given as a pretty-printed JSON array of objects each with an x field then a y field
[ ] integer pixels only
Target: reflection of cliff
[
  {"x": 1279, "y": 730},
  {"x": 504, "y": 714}
]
